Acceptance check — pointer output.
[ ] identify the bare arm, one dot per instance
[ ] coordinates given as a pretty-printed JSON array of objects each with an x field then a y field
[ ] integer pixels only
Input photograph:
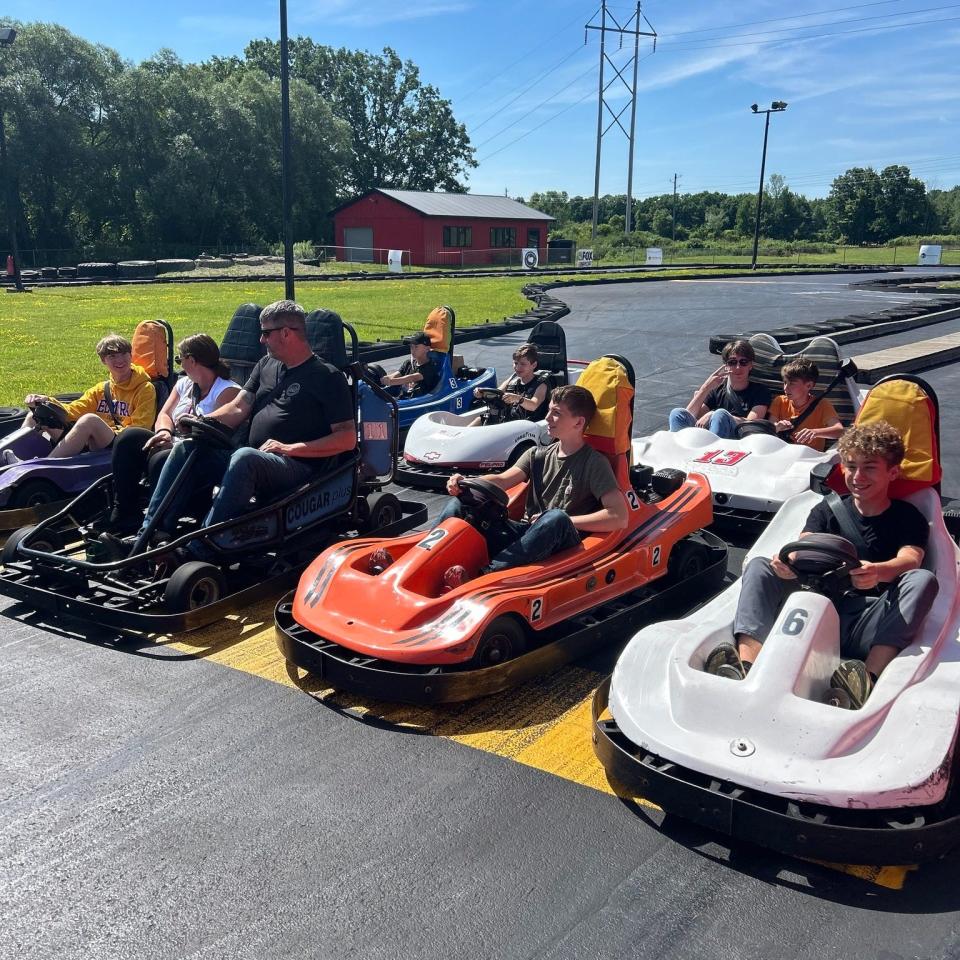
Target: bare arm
[
  {"x": 342, "y": 437},
  {"x": 528, "y": 403},
  {"x": 868, "y": 575},
  {"x": 613, "y": 515},
  {"x": 696, "y": 406},
  {"x": 234, "y": 412},
  {"x": 509, "y": 478}
]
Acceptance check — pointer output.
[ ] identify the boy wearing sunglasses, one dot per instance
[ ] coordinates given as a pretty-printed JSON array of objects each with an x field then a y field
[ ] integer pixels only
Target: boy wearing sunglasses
[{"x": 726, "y": 398}]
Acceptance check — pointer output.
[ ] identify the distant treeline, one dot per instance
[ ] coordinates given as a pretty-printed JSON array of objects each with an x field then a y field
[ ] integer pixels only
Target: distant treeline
[
  {"x": 863, "y": 206},
  {"x": 106, "y": 154}
]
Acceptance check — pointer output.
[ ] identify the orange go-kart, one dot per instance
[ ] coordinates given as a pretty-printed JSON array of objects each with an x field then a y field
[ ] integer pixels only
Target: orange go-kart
[{"x": 392, "y": 626}]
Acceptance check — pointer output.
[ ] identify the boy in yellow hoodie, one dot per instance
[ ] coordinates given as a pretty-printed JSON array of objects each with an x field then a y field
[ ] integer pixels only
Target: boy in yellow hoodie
[{"x": 134, "y": 404}]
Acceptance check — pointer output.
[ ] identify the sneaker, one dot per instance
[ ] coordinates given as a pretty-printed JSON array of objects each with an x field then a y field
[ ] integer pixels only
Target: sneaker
[
  {"x": 380, "y": 559},
  {"x": 851, "y": 678},
  {"x": 724, "y": 661},
  {"x": 8, "y": 458},
  {"x": 454, "y": 576}
]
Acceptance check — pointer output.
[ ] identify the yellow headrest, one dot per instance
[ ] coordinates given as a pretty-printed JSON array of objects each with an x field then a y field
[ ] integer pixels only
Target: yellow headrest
[
  {"x": 610, "y": 427},
  {"x": 437, "y": 328}
]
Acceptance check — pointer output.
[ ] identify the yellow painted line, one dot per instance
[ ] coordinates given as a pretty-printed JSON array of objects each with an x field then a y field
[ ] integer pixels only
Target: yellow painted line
[{"x": 544, "y": 724}]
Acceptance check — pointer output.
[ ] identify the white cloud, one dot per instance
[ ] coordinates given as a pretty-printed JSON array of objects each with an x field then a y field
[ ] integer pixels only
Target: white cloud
[{"x": 374, "y": 13}]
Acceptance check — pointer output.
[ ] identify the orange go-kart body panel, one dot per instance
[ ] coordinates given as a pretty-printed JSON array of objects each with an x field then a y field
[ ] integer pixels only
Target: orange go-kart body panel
[{"x": 403, "y": 615}]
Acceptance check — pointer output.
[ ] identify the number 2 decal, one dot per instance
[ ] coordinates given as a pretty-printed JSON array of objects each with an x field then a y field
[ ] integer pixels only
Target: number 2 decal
[
  {"x": 632, "y": 500},
  {"x": 722, "y": 458},
  {"x": 432, "y": 539},
  {"x": 536, "y": 609},
  {"x": 655, "y": 559}
]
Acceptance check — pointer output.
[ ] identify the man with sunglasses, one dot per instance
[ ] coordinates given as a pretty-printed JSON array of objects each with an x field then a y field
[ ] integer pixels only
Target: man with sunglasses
[
  {"x": 299, "y": 414},
  {"x": 726, "y": 398}
]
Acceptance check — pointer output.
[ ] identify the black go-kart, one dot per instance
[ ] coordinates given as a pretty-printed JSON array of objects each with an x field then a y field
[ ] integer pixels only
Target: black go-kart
[{"x": 58, "y": 566}]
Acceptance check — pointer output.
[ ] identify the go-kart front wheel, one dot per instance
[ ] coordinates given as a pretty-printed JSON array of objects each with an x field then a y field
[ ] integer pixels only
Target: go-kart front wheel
[
  {"x": 382, "y": 509},
  {"x": 47, "y": 542},
  {"x": 36, "y": 493},
  {"x": 504, "y": 639},
  {"x": 192, "y": 585},
  {"x": 687, "y": 559}
]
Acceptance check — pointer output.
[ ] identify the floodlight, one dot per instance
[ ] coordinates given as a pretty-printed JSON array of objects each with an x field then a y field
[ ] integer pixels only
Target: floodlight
[{"x": 7, "y": 35}]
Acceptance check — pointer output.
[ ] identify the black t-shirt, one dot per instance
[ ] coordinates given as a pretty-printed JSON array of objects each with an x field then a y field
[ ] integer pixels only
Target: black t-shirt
[
  {"x": 297, "y": 405},
  {"x": 514, "y": 385},
  {"x": 738, "y": 402},
  {"x": 429, "y": 372},
  {"x": 900, "y": 525}
]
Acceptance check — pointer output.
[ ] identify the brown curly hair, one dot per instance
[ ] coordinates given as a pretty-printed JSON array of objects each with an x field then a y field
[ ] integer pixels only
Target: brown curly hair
[{"x": 876, "y": 439}]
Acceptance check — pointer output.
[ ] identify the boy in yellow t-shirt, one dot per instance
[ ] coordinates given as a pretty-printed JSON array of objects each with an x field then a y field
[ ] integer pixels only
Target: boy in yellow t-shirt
[{"x": 821, "y": 424}]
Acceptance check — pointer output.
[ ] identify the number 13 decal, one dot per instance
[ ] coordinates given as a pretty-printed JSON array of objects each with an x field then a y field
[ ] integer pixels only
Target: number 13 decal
[{"x": 722, "y": 458}]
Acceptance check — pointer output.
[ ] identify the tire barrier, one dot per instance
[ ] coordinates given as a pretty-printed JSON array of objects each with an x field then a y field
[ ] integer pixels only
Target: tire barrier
[
  {"x": 176, "y": 266},
  {"x": 137, "y": 269},
  {"x": 96, "y": 271}
]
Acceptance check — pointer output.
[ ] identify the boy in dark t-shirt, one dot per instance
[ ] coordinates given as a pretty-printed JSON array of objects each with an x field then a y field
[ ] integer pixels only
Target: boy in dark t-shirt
[
  {"x": 418, "y": 374},
  {"x": 726, "y": 398},
  {"x": 573, "y": 489},
  {"x": 894, "y": 535},
  {"x": 301, "y": 416}
]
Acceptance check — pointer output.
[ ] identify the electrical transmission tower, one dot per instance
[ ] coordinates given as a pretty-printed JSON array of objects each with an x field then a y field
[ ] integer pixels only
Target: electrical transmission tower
[{"x": 630, "y": 28}]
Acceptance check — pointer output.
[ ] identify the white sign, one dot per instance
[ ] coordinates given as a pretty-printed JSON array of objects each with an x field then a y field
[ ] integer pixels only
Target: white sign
[
  {"x": 654, "y": 257},
  {"x": 584, "y": 258},
  {"x": 530, "y": 258},
  {"x": 930, "y": 255},
  {"x": 395, "y": 261}
]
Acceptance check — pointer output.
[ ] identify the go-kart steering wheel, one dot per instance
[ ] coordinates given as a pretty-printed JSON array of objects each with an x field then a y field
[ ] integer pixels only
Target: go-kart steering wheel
[
  {"x": 207, "y": 431},
  {"x": 50, "y": 414},
  {"x": 822, "y": 561},
  {"x": 483, "y": 499}
]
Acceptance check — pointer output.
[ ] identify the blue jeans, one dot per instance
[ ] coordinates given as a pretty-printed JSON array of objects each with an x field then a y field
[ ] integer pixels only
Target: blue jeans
[
  {"x": 514, "y": 543},
  {"x": 891, "y": 620},
  {"x": 241, "y": 474},
  {"x": 721, "y": 422}
]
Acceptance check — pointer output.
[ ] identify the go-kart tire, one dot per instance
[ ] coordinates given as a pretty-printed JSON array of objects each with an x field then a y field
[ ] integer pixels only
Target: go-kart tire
[
  {"x": 504, "y": 639},
  {"x": 666, "y": 481},
  {"x": 194, "y": 584},
  {"x": 951, "y": 519},
  {"x": 687, "y": 559},
  {"x": 35, "y": 493},
  {"x": 50, "y": 542},
  {"x": 382, "y": 510}
]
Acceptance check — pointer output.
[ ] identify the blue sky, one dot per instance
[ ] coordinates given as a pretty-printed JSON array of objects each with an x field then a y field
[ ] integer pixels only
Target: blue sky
[{"x": 522, "y": 79}]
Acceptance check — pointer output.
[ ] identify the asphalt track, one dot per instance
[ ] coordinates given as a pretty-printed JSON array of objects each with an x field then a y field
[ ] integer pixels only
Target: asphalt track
[{"x": 189, "y": 798}]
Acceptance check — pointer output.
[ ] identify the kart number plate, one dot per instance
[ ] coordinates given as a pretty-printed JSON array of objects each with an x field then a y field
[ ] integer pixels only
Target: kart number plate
[
  {"x": 432, "y": 539},
  {"x": 722, "y": 458}
]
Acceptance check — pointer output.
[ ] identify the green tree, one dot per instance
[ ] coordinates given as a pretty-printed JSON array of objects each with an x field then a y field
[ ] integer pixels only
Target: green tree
[{"x": 403, "y": 133}]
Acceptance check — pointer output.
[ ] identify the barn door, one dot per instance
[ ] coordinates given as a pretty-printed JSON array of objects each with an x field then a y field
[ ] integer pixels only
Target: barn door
[{"x": 359, "y": 244}]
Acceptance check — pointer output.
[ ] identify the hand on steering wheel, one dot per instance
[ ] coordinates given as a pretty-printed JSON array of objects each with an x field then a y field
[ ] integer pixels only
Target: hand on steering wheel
[
  {"x": 821, "y": 561},
  {"x": 206, "y": 430},
  {"x": 49, "y": 414},
  {"x": 484, "y": 497}
]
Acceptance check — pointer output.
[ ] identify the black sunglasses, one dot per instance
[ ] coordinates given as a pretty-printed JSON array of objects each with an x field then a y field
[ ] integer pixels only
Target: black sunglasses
[
  {"x": 266, "y": 331},
  {"x": 178, "y": 360},
  {"x": 735, "y": 362}
]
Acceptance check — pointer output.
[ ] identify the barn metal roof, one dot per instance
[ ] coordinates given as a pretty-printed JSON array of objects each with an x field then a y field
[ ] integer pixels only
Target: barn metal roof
[{"x": 464, "y": 205}]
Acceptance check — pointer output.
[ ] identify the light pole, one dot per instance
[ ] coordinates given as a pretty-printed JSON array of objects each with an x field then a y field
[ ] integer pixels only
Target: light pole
[
  {"x": 778, "y": 106},
  {"x": 285, "y": 154},
  {"x": 7, "y": 36}
]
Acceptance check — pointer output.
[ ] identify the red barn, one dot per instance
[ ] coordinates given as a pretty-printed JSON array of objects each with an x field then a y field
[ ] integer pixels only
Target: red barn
[{"x": 438, "y": 229}]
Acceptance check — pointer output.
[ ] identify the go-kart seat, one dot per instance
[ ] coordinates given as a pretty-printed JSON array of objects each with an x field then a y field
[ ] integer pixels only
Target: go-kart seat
[
  {"x": 611, "y": 381},
  {"x": 152, "y": 349},
  {"x": 439, "y": 327},
  {"x": 241, "y": 347},
  {"x": 551, "y": 343},
  {"x": 835, "y": 372}
]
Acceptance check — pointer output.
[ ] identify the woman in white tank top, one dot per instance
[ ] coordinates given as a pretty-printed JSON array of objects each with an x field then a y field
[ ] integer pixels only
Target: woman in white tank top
[{"x": 138, "y": 452}]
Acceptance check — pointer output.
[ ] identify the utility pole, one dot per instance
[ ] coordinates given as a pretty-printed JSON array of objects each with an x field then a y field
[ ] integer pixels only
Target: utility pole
[
  {"x": 778, "y": 106},
  {"x": 630, "y": 28},
  {"x": 285, "y": 156},
  {"x": 673, "y": 225}
]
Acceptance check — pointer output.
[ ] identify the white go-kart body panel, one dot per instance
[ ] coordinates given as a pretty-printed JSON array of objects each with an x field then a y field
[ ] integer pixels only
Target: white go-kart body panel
[
  {"x": 755, "y": 474},
  {"x": 770, "y": 732}
]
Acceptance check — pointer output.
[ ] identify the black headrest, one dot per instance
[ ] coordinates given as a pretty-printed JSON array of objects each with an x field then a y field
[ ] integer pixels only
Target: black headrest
[
  {"x": 548, "y": 333},
  {"x": 241, "y": 342},
  {"x": 750, "y": 428},
  {"x": 325, "y": 334}
]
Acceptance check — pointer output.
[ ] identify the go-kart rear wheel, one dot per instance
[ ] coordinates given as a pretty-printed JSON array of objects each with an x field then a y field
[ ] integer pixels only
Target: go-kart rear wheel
[
  {"x": 47, "y": 542},
  {"x": 687, "y": 559},
  {"x": 504, "y": 639},
  {"x": 192, "y": 585},
  {"x": 382, "y": 510},
  {"x": 35, "y": 493},
  {"x": 516, "y": 453}
]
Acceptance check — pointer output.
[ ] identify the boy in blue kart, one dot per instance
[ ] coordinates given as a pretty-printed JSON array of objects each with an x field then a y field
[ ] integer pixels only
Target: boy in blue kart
[
  {"x": 576, "y": 491},
  {"x": 726, "y": 398},
  {"x": 418, "y": 374},
  {"x": 892, "y": 593}
]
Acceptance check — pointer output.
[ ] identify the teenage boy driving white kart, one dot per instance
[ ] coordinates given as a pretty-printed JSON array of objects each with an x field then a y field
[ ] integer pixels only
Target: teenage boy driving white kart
[
  {"x": 578, "y": 494},
  {"x": 895, "y": 534}
]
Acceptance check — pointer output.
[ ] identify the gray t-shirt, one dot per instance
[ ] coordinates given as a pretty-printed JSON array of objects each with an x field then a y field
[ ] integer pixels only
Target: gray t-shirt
[{"x": 574, "y": 484}]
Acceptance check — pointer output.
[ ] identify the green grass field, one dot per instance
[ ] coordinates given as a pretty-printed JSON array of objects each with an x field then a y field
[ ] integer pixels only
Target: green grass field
[{"x": 47, "y": 337}]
